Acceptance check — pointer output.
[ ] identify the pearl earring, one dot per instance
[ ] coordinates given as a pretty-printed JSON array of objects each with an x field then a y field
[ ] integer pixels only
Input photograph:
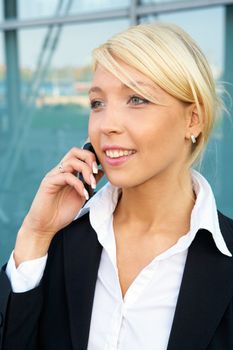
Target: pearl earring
[{"x": 193, "y": 138}]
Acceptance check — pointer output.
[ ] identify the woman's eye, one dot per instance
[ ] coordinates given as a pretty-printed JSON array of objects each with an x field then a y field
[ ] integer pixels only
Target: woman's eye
[
  {"x": 136, "y": 100},
  {"x": 96, "y": 104}
]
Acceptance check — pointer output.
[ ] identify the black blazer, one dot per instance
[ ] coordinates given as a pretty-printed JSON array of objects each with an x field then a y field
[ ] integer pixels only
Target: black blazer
[{"x": 56, "y": 315}]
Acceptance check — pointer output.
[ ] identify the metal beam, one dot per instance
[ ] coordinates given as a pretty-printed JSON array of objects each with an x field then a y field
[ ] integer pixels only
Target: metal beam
[
  {"x": 79, "y": 18},
  {"x": 174, "y": 6},
  {"x": 12, "y": 64},
  {"x": 227, "y": 139},
  {"x": 105, "y": 15},
  {"x": 134, "y": 19}
]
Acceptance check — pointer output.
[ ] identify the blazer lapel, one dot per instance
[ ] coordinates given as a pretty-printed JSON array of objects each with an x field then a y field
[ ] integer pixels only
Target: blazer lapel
[
  {"x": 82, "y": 253},
  {"x": 205, "y": 291}
]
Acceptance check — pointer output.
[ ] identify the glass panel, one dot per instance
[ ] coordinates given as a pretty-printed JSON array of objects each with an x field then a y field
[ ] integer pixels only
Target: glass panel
[
  {"x": 43, "y": 8},
  {"x": 211, "y": 40},
  {"x": 2, "y": 87},
  {"x": 95, "y": 5},
  {"x": 53, "y": 115},
  {"x": 4, "y": 220},
  {"x": 38, "y": 8},
  {"x": 1, "y": 10}
]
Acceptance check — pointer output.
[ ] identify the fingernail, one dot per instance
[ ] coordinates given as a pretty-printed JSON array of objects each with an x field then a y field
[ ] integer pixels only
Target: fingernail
[
  {"x": 95, "y": 168},
  {"x": 93, "y": 182},
  {"x": 86, "y": 195}
]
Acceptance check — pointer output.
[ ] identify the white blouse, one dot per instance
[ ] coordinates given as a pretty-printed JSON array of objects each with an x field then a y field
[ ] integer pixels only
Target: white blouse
[{"x": 143, "y": 318}]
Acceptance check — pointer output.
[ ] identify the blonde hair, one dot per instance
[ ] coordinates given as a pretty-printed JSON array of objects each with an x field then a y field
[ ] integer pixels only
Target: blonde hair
[{"x": 171, "y": 59}]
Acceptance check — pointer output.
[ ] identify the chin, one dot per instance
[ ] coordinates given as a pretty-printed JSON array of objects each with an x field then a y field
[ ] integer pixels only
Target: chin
[{"x": 123, "y": 181}]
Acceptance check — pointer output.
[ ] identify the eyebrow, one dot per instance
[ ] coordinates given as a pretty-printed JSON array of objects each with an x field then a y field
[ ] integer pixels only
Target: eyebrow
[{"x": 123, "y": 86}]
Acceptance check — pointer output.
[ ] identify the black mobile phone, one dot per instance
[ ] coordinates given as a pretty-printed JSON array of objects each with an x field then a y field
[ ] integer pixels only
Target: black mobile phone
[{"x": 88, "y": 146}]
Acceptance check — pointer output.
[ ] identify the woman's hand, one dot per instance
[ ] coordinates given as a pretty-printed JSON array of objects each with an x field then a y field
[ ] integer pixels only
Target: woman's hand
[{"x": 59, "y": 198}]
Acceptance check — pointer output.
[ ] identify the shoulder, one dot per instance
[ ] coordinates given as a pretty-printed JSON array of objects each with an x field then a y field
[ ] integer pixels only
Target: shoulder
[
  {"x": 226, "y": 226},
  {"x": 70, "y": 232},
  {"x": 74, "y": 242}
]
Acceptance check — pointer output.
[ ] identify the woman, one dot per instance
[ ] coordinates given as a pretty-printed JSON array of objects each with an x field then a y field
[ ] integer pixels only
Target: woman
[{"x": 147, "y": 263}]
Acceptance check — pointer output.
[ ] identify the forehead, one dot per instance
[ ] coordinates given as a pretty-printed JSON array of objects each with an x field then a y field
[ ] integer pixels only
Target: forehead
[
  {"x": 103, "y": 79},
  {"x": 133, "y": 74}
]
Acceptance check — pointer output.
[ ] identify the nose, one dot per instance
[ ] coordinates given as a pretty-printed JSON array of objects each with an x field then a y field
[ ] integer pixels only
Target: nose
[{"x": 111, "y": 123}]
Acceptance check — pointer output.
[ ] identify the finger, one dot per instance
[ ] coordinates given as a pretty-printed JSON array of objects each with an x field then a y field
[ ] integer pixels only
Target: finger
[
  {"x": 74, "y": 166},
  {"x": 54, "y": 183},
  {"x": 82, "y": 154}
]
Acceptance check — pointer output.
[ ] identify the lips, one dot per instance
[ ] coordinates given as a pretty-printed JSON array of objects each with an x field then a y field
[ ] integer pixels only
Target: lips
[
  {"x": 116, "y": 155},
  {"x": 115, "y": 147}
]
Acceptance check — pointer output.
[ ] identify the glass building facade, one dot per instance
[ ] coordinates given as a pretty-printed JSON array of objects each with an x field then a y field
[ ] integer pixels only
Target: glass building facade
[{"x": 45, "y": 72}]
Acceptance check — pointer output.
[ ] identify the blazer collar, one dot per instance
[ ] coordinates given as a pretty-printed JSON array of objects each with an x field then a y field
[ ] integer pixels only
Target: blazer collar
[
  {"x": 205, "y": 292},
  {"x": 201, "y": 302}
]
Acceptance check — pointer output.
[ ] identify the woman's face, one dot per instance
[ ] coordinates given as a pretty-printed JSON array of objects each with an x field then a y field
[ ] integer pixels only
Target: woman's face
[{"x": 134, "y": 139}]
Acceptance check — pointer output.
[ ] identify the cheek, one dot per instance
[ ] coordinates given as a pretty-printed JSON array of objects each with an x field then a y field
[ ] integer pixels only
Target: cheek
[
  {"x": 93, "y": 131},
  {"x": 164, "y": 140}
]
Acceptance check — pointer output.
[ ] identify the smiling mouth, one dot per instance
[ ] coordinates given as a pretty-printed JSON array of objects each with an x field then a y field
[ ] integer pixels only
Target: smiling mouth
[{"x": 119, "y": 153}]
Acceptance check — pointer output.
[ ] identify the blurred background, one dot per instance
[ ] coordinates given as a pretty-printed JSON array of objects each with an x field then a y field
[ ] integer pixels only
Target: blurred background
[{"x": 45, "y": 72}]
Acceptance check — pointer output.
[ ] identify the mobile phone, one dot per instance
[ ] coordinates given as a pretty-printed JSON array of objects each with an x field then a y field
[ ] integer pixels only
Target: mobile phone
[{"x": 88, "y": 146}]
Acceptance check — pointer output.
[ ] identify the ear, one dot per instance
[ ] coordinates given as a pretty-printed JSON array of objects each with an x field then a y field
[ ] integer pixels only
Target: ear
[{"x": 194, "y": 121}]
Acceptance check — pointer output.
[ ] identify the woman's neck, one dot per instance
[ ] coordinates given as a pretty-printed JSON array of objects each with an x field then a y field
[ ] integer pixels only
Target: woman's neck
[{"x": 162, "y": 204}]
